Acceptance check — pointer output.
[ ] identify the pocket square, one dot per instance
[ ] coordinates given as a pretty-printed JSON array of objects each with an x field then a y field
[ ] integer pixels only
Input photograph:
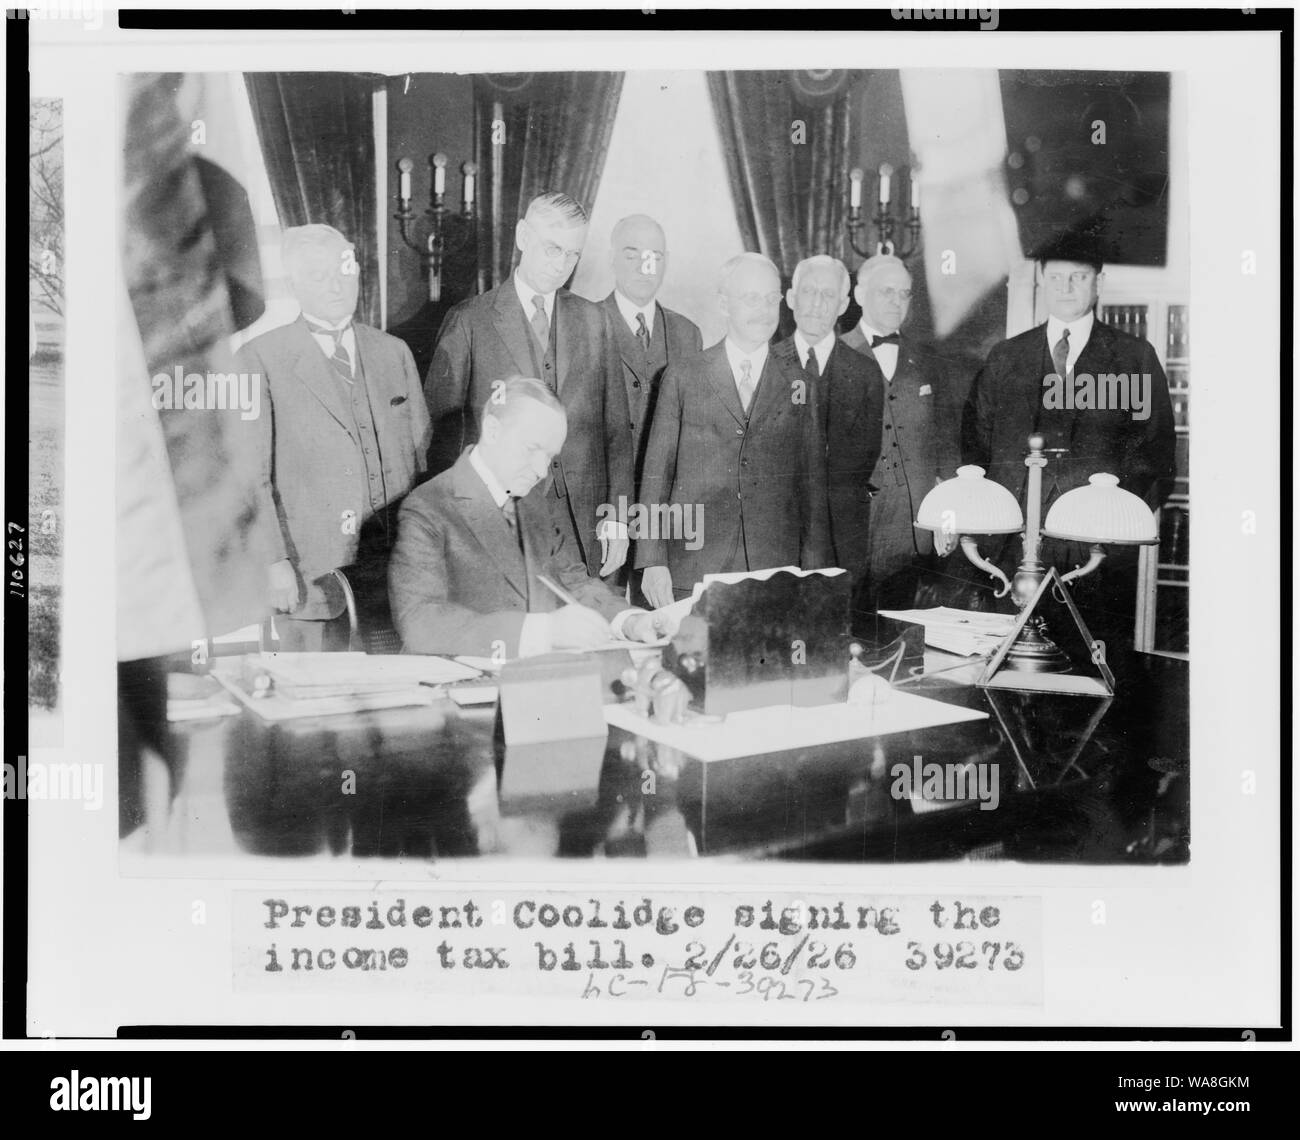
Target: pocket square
[
  {"x": 925, "y": 390},
  {"x": 397, "y": 400}
]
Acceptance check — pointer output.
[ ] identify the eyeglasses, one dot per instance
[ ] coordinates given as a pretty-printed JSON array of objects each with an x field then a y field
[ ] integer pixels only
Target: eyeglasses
[
  {"x": 754, "y": 300},
  {"x": 553, "y": 252},
  {"x": 1079, "y": 277},
  {"x": 889, "y": 293}
]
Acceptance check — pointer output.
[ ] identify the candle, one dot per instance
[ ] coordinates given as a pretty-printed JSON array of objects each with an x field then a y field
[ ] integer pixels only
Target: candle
[
  {"x": 404, "y": 165},
  {"x": 855, "y": 187},
  {"x": 916, "y": 194},
  {"x": 469, "y": 170},
  {"x": 885, "y": 172},
  {"x": 439, "y": 174}
]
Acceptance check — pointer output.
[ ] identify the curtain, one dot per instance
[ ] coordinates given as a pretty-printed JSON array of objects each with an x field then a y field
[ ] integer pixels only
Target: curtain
[
  {"x": 787, "y": 163},
  {"x": 557, "y": 129},
  {"x": 317, "y": 134}
]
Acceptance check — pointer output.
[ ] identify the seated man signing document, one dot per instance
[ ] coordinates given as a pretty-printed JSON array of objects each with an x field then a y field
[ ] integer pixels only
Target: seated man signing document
[{"x": 475, "y": 543}]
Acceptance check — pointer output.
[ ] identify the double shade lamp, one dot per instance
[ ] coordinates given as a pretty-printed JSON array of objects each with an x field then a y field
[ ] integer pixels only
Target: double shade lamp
[{"x": 1098, "y": 515}]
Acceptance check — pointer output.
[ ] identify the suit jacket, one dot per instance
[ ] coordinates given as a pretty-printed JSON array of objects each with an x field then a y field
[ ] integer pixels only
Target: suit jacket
[
  {"x": 911, "y": 453},
  {"x": 683, "y": 340},
  {"x": 1006, "y": 406},
  {"x": 760, "y": 482},
  {"x": 851, "y": 405},
  {"x": 457, "y": 581},
  {"x": 485, "y": 338},
  {"x": 313, "y": 469}
]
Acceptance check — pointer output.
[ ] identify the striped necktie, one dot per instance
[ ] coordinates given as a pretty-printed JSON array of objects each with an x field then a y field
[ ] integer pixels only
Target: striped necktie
[
  {"x": 642, "y": 333},
  {"x": 745, "y": 385},
  {"x": 541, "y": 326},
  {"x": 339, "y": 359}
]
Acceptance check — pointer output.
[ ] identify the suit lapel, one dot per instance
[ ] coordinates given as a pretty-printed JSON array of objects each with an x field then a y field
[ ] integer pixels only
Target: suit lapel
[
  {"x": 629, "y": 347},
  {"x": 316, "y": 374},
  {"x": 723, "y": 384},
  {"x": 565, "y": 320},
  {"x": 487, "y": 524},
  {"x": 774, "y": 385},
  {"x": 512, "y": 327},
  {"x": 838, "y": 388}
]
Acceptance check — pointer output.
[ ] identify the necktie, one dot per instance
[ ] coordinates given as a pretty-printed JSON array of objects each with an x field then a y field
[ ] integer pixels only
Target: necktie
[
  {"x": 541, "y": 326},
  {"x": 1061, "y": 353},
  {"x": 511, "y": 513},
  {"x": 888, "y": 338},
  {"x": 745, "y": 386},
  {"x": 642, "y": 333},
  {"x": 339, "y": 357},
  {"x": 810, "y": 365}
]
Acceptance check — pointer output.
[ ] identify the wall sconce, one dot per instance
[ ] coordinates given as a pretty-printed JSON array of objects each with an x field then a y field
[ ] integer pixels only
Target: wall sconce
[
  {"x": 1099, "y": 514},
  {"x": 884, "y": 220},
  {"x": 441, "y": 220}
]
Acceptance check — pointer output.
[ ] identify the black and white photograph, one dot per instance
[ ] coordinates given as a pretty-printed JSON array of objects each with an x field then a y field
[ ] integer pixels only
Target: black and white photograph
[{"x": 693, "y": 530}]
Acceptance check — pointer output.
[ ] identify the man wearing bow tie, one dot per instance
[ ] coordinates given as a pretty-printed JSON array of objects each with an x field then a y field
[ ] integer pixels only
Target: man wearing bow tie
[
  {"x": 735, "y": 442},
  {"x": 850, "y": 400},
  {"x": 532, "y": 326},
  {"x": 343, "y": 427},
  {"x": 909, "y": 462}
]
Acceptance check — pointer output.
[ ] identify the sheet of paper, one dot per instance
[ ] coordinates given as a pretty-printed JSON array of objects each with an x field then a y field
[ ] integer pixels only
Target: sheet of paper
[{"x": 782, "y": 727}]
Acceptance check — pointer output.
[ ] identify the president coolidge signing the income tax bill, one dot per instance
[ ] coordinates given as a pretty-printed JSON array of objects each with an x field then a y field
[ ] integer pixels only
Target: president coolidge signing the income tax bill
[{"x": 741, "y": 463}]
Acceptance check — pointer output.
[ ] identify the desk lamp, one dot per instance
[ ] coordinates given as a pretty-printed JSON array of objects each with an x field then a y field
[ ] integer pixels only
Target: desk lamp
[{"x": 1099, "y": 514}]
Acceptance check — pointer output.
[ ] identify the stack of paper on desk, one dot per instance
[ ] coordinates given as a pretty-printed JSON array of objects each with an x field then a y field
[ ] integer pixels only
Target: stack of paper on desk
[
  {"x": 679, "y": 609},
  {"x": 780, "y": 728},
  {"x": 286, "y": 686},
  {"x": 966, "y": 633}
]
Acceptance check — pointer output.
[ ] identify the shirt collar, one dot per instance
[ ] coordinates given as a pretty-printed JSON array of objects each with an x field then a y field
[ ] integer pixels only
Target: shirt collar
[
  {"x": 822, "y": 348},
  {"x": 322, "y": 327},
  {"x": 630, "y": 310},
  {"x": 735, "y": 354},
  {"x": 1080, "y": 330},
  {"x": 499, "y": 493},
  {"x": 869, "y": 333},
  {"x": 526, "y": 294}
]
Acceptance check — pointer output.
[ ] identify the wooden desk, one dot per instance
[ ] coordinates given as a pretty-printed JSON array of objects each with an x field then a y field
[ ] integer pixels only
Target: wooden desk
[{"x": 1079, "y": 781}]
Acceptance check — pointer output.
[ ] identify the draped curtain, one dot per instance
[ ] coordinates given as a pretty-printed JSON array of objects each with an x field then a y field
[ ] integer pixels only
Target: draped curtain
[
  {"x": 787, "y": 163},
  {"x": 556, "y": 136},
  {"x": 317, "y": 135}
]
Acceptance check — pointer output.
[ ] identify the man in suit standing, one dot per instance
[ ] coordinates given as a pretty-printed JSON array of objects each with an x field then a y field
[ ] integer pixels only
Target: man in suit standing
[
  {"x": 343, "y": 432},
  {"x": 1124, "y": 429},
  {"x": 649, "y": 337},
  {"x": 530, "y": 326},
  {"x": 472, "y": 542},
  {"x": 851, "y": 407},
  {"x": 910, "y": 452},
  {"x": 735, "y": 441}
]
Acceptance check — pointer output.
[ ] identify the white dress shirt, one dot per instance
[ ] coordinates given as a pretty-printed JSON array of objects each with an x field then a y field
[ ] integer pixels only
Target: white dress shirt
[
  {"x": 630, "y": 311},
  {"x": 527, "y": 293},
  {"x": 757, "y": 358},
  {"x": 325, "y": 339},
  {"x": 1080, "y": 331},
  {"x": 886, "y": 354},
  {"x": 535, "y": 635},
  {"x": 822, "y": 349}
]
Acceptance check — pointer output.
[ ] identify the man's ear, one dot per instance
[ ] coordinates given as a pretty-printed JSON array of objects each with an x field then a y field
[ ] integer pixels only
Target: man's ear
[
  {"x": 1099, "y": 281},
  {"x": 519, "y": 235},
  {"x": 844, "y": 304},
  {"x": 859, "y": 295},
  {"x": 491, "y": 428},
  {"x": 789, "y": 299}
]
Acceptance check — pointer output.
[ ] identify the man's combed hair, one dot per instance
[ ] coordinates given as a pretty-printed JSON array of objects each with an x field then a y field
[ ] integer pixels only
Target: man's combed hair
[
  {"x": 821, "y": 261},
  {"x": 734, "y": 263},
  {"x": 296, "y": 239},
  {"x": 507, "y": 394},
  {"x": 558, "y": 206},
  {"x": 880, "y": 261}
]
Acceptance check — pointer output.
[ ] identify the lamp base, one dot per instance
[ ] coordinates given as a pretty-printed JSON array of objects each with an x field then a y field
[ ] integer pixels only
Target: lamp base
[{"x": 1034, "y": 652}]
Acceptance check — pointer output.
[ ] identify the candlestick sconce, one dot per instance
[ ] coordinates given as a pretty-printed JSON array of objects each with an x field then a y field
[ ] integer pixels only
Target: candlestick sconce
[
  {"x": 1100, "y": 514},
  {"x": 884, "y": 221},
  {"x": 448, "y": 232}
]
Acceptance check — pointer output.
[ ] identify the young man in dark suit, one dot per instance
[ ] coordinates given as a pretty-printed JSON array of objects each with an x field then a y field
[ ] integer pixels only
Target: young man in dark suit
[
  {"x": 473, "y": 541},
  {"x": 343, "y": 433},
  {"x": 911, "y": 453},
  {"x": 850, "y": 391},
  {"x": 735, "y": 447},
  {"x": 531, "y": 326},
  {"x": 1124, "y": 428}
]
